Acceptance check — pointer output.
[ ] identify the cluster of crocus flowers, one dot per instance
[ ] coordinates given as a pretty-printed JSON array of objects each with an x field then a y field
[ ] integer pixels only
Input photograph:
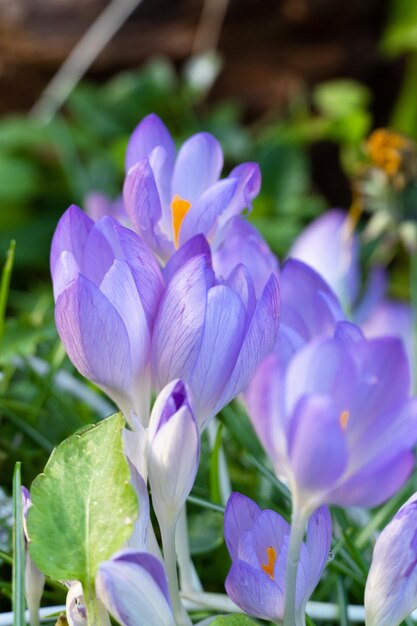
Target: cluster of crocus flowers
[{"x": 171, "y": 291}]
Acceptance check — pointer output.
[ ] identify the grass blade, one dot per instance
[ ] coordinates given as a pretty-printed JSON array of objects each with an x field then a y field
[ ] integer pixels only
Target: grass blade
[
  {"x": 5, "y": 284},
  {"x": 18, "y": 551}
]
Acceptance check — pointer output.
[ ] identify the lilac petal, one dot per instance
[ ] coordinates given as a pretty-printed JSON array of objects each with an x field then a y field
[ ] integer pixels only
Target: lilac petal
[
  {"x": 224, "y": 329},
  {"x": 76, "y": 612},
  {"x": 70, "y": 235},
  {"x": 94, "y": 335},
  {"x": 173, "y": 456},
  {"x": 120, "y": 290},
  {"x": 97, "y": 205},
  {"x": 202, "y": 216},
  {"x": 65, "y": 271},
  {"x": 241, "y": 283},
  {"x": 172, "y": 398},
  {"x": 390, "y": 593},
  {"x": 254, "y": 592},
  {"x": 317, "y": 446},
  {"x": 382, "y": 365},
  {"x": 98, "y": 255},
  {"x": 392, "y": 317},
  {"x": 179, "y": 325},
  {"x": 348, "y": 334},
  {"x": 318, "y": 543},
  {"x": 324, "y": 367},
  {"x": 329, "y": 247},
  {"x": 309, "y": 307},
  {"x": 249, "y": 177},
  {"x": 264, "y": 398},
  {"x": 197, "y": 246},
  {"x": 239, "y": 242},
  {"x": 270, "y": 529},
  {"x": 148, "y": 134},
  {"x": 239, "y": 516},
  {"x": 143, "y": 204},
  {"x": 376, "y": 482},
  {"x": 133, "y": 587},
  {"x": 198, "y": 166},
  {"x": 259, "y": 341},
  {"x": 145, "y": 269}
]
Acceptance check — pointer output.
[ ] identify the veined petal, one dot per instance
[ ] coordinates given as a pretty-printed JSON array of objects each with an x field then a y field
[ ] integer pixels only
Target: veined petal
[
  {"x": 249, "y": 177},
  {"x": 198, "y": 166},
  {"x": 203, "y": 214},
  {"x": 70, "y": 235},
  {"x": 66, "y": 270},
  {"x": 259, "y": 341},
  {"x": 390, "y": 593},
  {"x": 318, "y": 543},
  {"x": 239, "y": 516},
  {"x": 148, "y": 134},
  {"x": 223, "y": 334},
  {"x": 197, "y": 246},
  {"x": 179, "y": 325},
  {"x": 133, "y": 587},
  {"x": 254, "y": 592},
  {"x": 94, "y": 335}
]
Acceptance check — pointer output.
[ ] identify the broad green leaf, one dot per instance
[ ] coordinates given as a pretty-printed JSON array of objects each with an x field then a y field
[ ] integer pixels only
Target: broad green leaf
[
  {"x": 233, "y": 620},
  {"x": 83, "y": 505}
]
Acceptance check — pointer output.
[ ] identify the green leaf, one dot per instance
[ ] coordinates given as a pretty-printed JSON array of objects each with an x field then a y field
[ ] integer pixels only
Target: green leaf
[
  {"x": 83, "y": 505},
  {"x": 233, "y": 620},
  {"x": 338, "y": 98},
  {"x": 18, "y": 552},
  {"x": 5, "y": 284}
]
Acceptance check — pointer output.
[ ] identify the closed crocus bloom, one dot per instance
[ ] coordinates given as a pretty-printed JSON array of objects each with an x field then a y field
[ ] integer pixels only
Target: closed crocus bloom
[
  {"x": 173, "y": 451},
  {"x": 133, "y": 587},
  {"x": 171, "y": 197},
  {"x": 258, "y": 544},
  {"x": 107, "y": 286},
  {"x": 239, "y": 242},
  {"x": 391, "y": 587},
  {"x": 337, "y": 421},
  {"x": 212, "y": 336}
]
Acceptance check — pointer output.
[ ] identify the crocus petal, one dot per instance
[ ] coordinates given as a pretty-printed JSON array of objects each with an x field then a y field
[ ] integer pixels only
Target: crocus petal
[
  {"x": 197, "y": 246},
  {"x": 392, "y": 317},
  {"x": 173, "y": 451},
  {"x": 66, "y": 270},
  {"x": 390, "y": 593},
  {"x": 133, "y": 588},
  {"x": 241, "y": 283},
  {"x": 317, "y": 446},
  {"x": 376, "y": 289},
  {"x": 179, "y": 324},
  {"x": 224, "y": 329},
  {"x": 259, "y": 341},
  {"x": 94, "y": 335},
  {"x": 98, "y": 255},
  {"x": 239, "y": 516},
  {"x": 269, "y": 529},
  {"x": 198, "y": 166},
  {"x": 254, "y": 592},
  {"x": 318, "y": 543},
  {"x": 97, "y": 205},
  {"x": 70, "y": 235},
  {"x": 202, "y": 216},
  {"x": 75, "y": 606},
  {"x": 148, "y": 134},
  {"x": 239, "y": 242},
  {"x": 249, "y": 177},
  {"x": 376, "y": 482},
  {"x": 329, "y": 246},
  {"x": 143, "y": 204}
]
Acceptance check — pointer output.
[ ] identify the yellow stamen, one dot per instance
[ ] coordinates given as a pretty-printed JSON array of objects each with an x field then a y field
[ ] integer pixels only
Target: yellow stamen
[
  {"x": 269, "y": 567},
  {"x": 344, "y": 419},
  {"x": 385, "y": 149},
  {"x": 180, "y": 208}
]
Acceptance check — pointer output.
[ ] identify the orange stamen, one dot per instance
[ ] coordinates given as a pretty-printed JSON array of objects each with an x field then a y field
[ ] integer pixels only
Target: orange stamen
[
  {"x": 179, "y": 209},
  {"x": 344, "y": 419},
  {"x": 269, "y": 567}
]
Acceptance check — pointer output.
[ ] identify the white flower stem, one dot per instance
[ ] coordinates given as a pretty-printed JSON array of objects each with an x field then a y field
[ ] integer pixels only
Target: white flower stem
[
  {"x": 298, "y": 524},
  {"x": 189, "y": 579},
  {"x": 168, "y": 546}
]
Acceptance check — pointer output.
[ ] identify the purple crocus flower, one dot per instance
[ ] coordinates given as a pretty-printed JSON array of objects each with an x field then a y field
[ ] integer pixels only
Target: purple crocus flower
[
  {"x": 330, "y": 246},
  {"x": 107, "y": 286},
  {"x": 212, "y": 336},
  {"x": 258, "y": 544},
  {"x": 391, "y": 587},
  {"x": 337, "y": 420},
  {"x": 171, "y": 197},
  {"x": 133, "y": 587}
]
